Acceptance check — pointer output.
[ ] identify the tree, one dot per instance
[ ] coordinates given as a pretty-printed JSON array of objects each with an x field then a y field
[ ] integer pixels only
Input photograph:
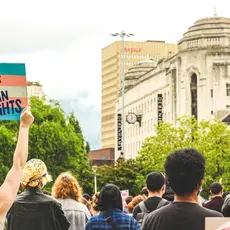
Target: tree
[
  {"x": 87, "y": 147},
  {"x": 123, "y": 174},
  {"x": 54, "y": 138},
  {"x": 212, "y": 138}
]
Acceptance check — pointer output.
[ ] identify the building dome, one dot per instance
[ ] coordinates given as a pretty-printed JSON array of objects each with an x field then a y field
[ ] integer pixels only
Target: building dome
[
  {"x": 207, "y": 32},
  {"x": 138, "y": 70}
]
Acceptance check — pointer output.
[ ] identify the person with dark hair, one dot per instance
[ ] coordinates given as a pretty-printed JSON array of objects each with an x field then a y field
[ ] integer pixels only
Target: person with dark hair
[
  {"x": 128, "y": 199},
  {"x": 217, "y": 200},
  {"x": 155, "y": 183},
  {"x": 185, "y": 172},
  {"x": 111, "y": 215},
  {"x": 144, "y": 191},
  {"x": 169, "y": 194},
  {"x": 86, "y": 196}
]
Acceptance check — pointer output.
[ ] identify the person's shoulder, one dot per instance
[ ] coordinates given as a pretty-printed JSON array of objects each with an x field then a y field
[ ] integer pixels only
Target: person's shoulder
[
  {"x": 211, "y": 213},
  {"x": 160, "y": 212}
]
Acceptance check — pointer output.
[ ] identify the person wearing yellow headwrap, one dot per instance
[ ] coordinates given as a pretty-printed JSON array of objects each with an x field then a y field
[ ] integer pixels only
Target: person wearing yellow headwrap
[
  {"x": 35, "y": 174},
  {"x": 32, "y": 208}
]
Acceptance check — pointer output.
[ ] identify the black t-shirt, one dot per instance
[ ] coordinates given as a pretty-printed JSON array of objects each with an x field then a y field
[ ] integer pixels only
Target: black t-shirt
[
  {"x": 179, "y": 216},
  {"x": 151, "y": 204}
]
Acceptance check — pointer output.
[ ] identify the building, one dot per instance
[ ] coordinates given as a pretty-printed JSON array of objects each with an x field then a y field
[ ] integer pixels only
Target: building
[
  {"x": 112, "y": 75},
  {"x": 34, "y": 88},
  {"x": 195, "y": 81},
  {"x": 101, "y": 157}
]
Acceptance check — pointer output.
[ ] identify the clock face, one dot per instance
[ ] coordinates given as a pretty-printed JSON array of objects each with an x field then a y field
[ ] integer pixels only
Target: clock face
[{"x": 131, "y": 118}]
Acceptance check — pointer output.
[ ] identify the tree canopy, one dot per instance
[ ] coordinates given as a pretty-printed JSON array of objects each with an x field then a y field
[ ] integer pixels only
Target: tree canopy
[
  {"x": 55, "y": 138},
  {"x": 212, "y": 138}
]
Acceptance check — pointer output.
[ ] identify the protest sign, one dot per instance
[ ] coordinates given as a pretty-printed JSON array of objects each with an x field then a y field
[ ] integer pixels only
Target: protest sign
[
  {"x": 124, "y": 195},
  {"x": 217, "y": 223},
  {"x": 13, "y": 91}
]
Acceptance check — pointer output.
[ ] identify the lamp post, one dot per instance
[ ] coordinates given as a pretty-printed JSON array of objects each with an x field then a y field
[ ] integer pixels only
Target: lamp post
[
  {"x": 95, "y": 177},
  {"x": 123, "y": 35}
]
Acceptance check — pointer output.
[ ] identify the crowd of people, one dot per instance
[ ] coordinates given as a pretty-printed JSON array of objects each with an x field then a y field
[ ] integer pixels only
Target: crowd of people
[{"x": 168, "y": 202}]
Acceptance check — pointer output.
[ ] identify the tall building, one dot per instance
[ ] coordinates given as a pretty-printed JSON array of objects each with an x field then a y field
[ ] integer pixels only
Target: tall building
[
  {"x": 195, "y": 81},
  {"x": 112, "y": 76},
  {"x": 34, "y": 88}
]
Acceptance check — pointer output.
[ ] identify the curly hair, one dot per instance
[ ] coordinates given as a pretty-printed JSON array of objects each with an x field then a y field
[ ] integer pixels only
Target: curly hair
[
  {"x": 135, "y": 201},
  {"x": 184, "y": 170},
  {"x": 66, "y": 186},
  {"x": 95, "y": 201}
]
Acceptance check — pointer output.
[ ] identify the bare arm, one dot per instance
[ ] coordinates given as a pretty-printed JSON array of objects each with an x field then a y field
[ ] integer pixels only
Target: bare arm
[{"x": 9, "y": 188}]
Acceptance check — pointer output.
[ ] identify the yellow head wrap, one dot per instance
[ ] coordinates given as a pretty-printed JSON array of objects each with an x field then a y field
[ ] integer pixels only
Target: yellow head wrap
[{"x": 35, "y": 174}]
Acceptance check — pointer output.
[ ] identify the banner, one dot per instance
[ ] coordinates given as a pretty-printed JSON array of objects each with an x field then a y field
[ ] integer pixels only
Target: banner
[
  {"x": 119, "y": 132},
  {"x": 217, "y": 223},
  {"x": 124, "y": 195},
  {"x": 13, "y": 91},
  {"x": 159, "y": 108}
]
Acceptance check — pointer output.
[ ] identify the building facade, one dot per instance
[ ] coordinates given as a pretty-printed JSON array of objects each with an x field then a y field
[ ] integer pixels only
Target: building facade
[
  {"x": 112, "y": 75},
  {"x": 34, "y": 88},
  {"x": 101, "y": 157},
  {"x": 195, "y": 81}
]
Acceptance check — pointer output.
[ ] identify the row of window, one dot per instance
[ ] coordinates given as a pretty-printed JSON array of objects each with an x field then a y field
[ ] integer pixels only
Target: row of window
[
  {"x": 150, "y": 104},
  {"x": 134, "y": 147}
]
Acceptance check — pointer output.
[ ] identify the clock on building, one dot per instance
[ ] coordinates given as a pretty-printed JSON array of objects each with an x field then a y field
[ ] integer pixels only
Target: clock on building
[{"x": 131, "y": 118}]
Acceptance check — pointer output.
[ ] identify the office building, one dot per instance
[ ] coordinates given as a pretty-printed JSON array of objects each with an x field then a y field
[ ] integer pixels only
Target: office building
[{"x": 112, "y": 75}]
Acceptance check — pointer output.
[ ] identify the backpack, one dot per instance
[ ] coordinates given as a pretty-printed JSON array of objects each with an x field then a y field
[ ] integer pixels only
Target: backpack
[{"x": 144, "y": 211}]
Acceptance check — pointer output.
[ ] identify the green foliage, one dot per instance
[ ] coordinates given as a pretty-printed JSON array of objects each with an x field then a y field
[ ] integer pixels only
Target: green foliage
[
  {"x": 123, "y": 174},
  {"x": 54, "y": 138},
  {"x": 87, "y": 147},
  {"x": 210, "y": 138}
]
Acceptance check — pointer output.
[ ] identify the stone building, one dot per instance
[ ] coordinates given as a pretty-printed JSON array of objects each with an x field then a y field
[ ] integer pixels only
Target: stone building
[
  {"x": 34, "y": 88},
  {"x": 195, "y": 81}
]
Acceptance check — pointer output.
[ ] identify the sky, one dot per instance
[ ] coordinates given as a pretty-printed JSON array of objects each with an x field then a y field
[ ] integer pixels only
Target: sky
[{"x": 60, "y": 42}]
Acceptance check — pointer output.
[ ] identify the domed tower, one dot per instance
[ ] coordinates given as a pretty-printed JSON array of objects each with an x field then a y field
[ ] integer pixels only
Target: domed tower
[
  {"x": 136, "y": 71},
  {"x": 207, "y": 33},
  {"x": 204, "y": 67}
]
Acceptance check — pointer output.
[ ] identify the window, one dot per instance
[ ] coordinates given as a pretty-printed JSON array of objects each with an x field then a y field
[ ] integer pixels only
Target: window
[
  {"x": 211, "y": 93},
  {"x": 228, "y": 89}
]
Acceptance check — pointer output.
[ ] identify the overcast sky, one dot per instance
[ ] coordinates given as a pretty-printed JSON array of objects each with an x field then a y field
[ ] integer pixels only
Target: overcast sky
[{"x": 61, "y": 42}]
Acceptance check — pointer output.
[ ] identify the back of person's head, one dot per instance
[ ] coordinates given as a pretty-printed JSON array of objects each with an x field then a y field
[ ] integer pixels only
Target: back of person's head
[
  {"x": 155, "y": 181},
  {"x": 66, "y": 186},
  {"x": 216, "y": 188},
  {"x": 110, "y": 198},
  {"x": 169, "y": 194},
  {"x": 136, "y": 200},
  {"x": 35, "y": 174},
  {"x": 185, "y": 170},
  {"x": 128, "y": 199},
  {"x": 86, "y": 196},
  {"x": 144, "y": 191}
]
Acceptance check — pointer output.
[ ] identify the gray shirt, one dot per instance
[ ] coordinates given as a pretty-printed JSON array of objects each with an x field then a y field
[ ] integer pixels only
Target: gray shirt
[{"x": 76, "y": 213}]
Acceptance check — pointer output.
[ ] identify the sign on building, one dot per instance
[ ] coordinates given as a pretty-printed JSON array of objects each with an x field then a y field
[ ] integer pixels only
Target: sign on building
[
  {"x": 159, "y": 108},
  {"x": 119, "y": 132},
  {"x": 13, "y": 92}
]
